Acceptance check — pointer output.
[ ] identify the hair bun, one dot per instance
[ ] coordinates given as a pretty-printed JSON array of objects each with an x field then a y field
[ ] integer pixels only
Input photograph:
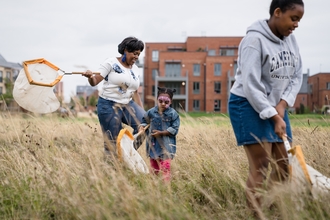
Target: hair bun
[{"x": 166, "y": 91}]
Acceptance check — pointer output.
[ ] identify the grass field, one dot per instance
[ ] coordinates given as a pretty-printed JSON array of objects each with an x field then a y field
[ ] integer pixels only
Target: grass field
[{"x": 53, "y": 168}]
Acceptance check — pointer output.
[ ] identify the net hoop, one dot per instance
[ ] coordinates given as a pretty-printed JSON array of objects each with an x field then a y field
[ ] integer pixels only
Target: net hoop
[{"x": 40, "y": 61}]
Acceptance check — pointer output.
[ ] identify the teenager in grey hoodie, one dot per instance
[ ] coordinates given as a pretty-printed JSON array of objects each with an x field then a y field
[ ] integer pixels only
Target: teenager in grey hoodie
[{"x": 268, "y": 79}]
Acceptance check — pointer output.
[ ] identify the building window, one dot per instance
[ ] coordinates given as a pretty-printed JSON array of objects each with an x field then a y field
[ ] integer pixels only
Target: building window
[
  {"x": 176, "y": 49},
  {"x": 154, "y": 73},
  {"x": 196, "y": 88},
  {"x": 310, "y": 89},
  {"x": 217, "y": 105},
  {"x": 8, "y": 75},
  {"x": 15, "y": 74},
  {"x": 1, "y": 76},
  {"x": 328, "y": 85},
  {"x": 227, "y": 52},
  {"x": 172, "y": 69},
  {"x": 0, "y": 90},
  {"x": 217, "y": 87},
  {"x": 155, "y": 56},
  {"x": 174, "y": 85},
  {"x": 197, "y": 70},
  {"x": 211, "y": 52},
  {"x": 196, "y": 106},
  {"x": 217, "y": 69}
]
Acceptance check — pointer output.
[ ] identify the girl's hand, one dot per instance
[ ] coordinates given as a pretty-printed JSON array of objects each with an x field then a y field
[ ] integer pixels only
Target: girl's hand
[
  {"x": 156, "y": 133},
  {"x": 280, "y": 126}
]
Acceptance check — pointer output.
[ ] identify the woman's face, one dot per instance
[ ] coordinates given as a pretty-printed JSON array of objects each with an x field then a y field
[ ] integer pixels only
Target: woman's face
[
  {"x": 132, "y": 57},
  {"x": 287, "y": 22}
]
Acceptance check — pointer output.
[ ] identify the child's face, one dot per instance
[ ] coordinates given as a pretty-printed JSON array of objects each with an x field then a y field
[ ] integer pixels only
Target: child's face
[
  {"x": 164, "y": 101},
  {"x": 288, "y": 20}
]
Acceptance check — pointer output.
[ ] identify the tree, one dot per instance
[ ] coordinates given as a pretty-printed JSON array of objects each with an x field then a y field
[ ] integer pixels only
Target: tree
[
  {"x": 8, "y": 96},
  {"x": 302, "y": 108},
  {"x": 92, "y": 101}
]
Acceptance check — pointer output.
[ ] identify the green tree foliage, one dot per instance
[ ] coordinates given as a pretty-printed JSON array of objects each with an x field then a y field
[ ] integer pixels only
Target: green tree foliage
[
  {"x": 8, "y": 96},
  {"x": 82, "y": 101},
  {"x": 92, "y": 101}
]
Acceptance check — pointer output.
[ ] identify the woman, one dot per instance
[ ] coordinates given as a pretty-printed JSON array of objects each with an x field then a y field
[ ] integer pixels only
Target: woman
[
  {"x": 119, "y": 101},
  {"x": 268, "y": 79}
]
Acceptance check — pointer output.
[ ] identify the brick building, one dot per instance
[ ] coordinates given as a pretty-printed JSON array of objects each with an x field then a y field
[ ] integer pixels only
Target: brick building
[
  {"x": 8, "y": 74},
  {"x": 200, "y": 69},
  {"x": 319, "y": 91}
]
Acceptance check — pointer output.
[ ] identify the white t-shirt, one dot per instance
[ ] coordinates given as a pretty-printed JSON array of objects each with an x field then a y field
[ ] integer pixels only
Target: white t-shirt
[{"x": 120, "y": 82}]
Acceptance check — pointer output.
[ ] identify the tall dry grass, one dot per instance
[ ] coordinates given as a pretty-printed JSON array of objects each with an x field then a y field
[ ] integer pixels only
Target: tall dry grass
[{"x": 53, "y": 168}]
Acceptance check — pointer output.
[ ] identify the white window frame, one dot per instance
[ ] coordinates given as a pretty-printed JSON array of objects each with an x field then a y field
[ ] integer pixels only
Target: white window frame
[
  {"x": 196, "y": 105},
  {"x": 155, "y": 56},
  {"x": 196, "y": 87},
  {"x": 217, "y": 69},
  {"x": 197, "y": 69}
]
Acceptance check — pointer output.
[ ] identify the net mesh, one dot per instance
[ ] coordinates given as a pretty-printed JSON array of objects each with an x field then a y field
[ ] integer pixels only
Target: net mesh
[
  {"x": 302, "y": 173},
  {"x": 128, "y": 154}
]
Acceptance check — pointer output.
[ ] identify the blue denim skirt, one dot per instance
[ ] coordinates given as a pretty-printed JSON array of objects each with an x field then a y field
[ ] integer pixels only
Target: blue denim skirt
[{"x": 248, "y": 127}]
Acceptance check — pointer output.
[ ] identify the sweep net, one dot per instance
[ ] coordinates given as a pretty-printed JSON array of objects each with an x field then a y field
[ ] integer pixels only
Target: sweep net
[
  {"x": 33, "y": 88},
  {"x": 128, "y": 154},
  {"x": 302, "y": 173}
]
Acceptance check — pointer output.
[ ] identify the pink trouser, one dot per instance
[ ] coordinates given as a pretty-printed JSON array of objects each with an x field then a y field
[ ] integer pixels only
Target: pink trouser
[{"x": 163, "y": 166}]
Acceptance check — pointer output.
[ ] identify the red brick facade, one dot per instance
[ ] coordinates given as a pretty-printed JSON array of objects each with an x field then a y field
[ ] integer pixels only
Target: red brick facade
[
  {"x": 319, "y": 91},
  {"x": 191, "y": 68},
  {"x": 201, "y": 69}
]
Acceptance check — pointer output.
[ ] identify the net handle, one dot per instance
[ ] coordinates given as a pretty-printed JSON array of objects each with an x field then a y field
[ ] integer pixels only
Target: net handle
[
  {"x": 96, "y": 73},
  {"x": 140, "y": 132},
  {"x": 51, "y": 65},
  {"x": 287, "y": 147}
]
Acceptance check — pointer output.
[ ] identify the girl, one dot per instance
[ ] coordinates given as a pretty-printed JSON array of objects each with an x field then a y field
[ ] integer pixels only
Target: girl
[
  {"x": 268, "y": 79},
  {"x": 164, "y": 126}
]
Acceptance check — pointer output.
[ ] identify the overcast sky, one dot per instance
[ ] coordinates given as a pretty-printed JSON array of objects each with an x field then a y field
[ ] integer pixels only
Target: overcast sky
[{"x": 79, "y": 34}]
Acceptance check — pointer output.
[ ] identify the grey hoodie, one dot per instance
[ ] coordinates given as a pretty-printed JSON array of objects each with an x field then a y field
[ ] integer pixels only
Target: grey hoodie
[{"x": 269, "y": 69}]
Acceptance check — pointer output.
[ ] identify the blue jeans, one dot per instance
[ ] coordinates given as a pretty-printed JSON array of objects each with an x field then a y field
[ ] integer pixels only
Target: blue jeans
[{"x": 111, "y": 116}]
